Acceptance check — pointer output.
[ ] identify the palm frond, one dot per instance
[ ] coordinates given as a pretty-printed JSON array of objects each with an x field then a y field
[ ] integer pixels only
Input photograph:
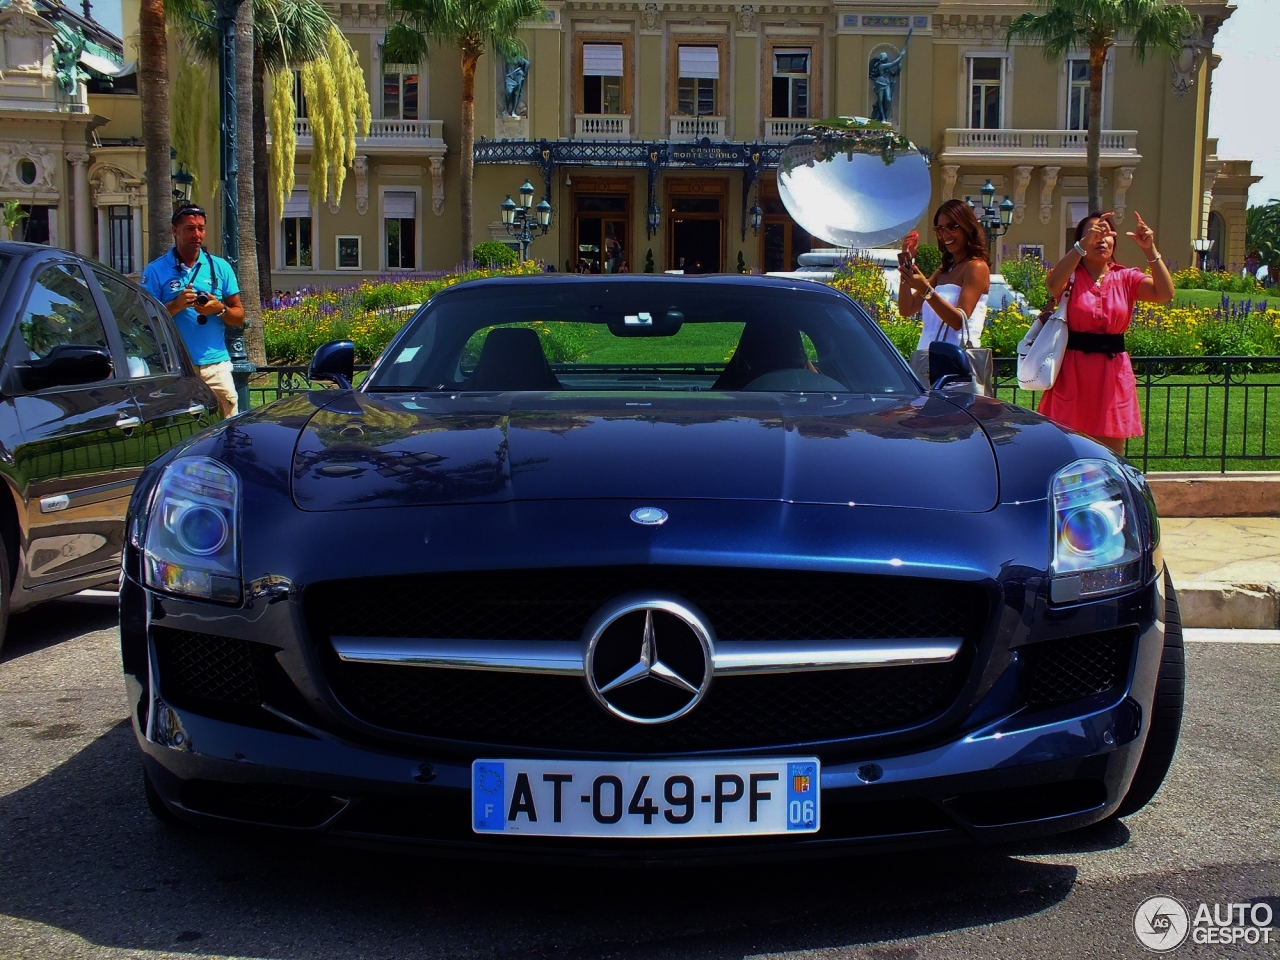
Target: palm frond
[
  {"x": 403, "y": 44},
  {"x": 1064, "y": 25}
]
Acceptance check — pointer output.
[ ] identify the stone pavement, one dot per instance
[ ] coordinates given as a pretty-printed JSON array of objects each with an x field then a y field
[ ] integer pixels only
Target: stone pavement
[{"x": 1226, "y": 570}]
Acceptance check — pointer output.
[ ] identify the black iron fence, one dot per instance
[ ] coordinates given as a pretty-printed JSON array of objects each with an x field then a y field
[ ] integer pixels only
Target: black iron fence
[{"x": 1198, "y": 413}]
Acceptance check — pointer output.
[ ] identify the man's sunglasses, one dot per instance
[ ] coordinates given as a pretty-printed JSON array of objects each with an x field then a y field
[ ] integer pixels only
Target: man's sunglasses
[{"x": 191, "y": 211}]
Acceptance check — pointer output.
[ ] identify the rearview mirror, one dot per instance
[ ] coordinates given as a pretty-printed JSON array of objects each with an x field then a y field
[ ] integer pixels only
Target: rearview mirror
[
  {"x": 948, "y": 364},
  {"x": 67, "y": 365},
  {"x": 335, "y": 362}
]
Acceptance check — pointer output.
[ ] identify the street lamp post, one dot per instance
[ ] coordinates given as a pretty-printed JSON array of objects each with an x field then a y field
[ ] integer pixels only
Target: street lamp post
[
  {"x": 182, "y": 180},
  {"x": 521, "y": 220},
  {"x": 995, "y": 220},
  {"x": 1202, "y": 248}
]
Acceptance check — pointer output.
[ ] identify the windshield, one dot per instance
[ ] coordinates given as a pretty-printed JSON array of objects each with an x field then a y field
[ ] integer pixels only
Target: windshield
[{"x": 640, "y": 334}]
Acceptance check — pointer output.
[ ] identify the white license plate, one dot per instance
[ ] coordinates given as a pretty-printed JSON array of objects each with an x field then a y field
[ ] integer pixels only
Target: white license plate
[{"x": 646, "y": 798}]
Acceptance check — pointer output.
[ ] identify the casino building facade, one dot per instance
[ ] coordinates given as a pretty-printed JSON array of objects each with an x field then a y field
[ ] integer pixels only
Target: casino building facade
[{"x": 654, "y": 128}]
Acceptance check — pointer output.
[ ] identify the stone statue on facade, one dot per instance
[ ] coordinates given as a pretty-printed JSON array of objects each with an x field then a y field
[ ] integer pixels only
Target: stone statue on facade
[
  {"x": 517, "y": 71},
  {"x": 884, "y": 74}
]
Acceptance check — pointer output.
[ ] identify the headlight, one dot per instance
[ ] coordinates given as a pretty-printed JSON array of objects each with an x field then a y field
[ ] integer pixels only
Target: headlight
[
  {"x": 192, "y": 546},
  {"x": 1097, "y": 542}
]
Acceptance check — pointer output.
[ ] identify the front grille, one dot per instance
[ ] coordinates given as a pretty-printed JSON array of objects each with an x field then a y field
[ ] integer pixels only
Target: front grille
[
  {"x": 1058, "y": 671},
  {"x": 557, "y": 712},
  {"x": 200, "y": 668},
  {"x": 742, "y": 604}
]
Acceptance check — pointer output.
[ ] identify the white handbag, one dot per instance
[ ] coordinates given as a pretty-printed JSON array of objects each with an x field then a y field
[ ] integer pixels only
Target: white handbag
[{"x": 1042, "y": 348}]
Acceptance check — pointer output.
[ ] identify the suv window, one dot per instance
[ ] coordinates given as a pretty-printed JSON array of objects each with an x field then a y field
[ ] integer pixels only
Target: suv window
[
  {"x": 147, "y": 353},
  {"x": 60, "y": 310}
]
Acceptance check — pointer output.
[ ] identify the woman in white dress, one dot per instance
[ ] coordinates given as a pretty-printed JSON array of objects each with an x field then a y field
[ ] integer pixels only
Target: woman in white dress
[{"x": 952, "y": 302}]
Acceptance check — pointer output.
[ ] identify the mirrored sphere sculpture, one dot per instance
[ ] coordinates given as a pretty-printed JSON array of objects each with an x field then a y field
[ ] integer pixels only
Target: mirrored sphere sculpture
[{"x": 854, "y": 182}]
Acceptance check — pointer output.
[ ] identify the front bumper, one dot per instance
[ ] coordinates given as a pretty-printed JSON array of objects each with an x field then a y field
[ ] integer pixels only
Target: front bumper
[{"x": 1001, "y": 776}]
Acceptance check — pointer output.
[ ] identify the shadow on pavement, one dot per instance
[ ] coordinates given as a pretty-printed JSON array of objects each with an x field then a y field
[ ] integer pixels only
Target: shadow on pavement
[
  {"x": 52, "y": 623},
  {"x": 83, "y": 854}
]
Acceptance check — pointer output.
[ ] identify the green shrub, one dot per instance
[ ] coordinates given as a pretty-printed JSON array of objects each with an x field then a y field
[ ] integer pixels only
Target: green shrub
[
  {"x": 493, "y": 254},
  {"x": 1027, "y": 275},
  {"x": 648, "y": 260},
  {"x": 1224, "y": 281},
  {"x": 928, "y": 258},
  {"x": 742, "y": 263}
]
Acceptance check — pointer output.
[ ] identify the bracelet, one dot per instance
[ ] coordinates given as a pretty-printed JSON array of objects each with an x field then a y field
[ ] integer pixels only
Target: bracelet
[
  {"x": 1158, "y": 256},
  {"x": 928, "y": 294},
  {"x": 1077, "y": 248}
]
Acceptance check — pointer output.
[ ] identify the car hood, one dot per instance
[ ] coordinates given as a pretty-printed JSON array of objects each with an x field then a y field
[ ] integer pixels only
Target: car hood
[{"x": 376, "y": 451}]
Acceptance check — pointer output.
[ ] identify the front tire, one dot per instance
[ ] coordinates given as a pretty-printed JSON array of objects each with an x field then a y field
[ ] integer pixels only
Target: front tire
[
  {"x": 1166, "y": 711},
  {"x": 6, "y": 588},
  {"x": 155, "y": 804}
]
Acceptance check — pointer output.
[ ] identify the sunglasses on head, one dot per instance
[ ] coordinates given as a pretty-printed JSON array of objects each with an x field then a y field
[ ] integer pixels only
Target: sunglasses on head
[{"x": 190, "y": 211}]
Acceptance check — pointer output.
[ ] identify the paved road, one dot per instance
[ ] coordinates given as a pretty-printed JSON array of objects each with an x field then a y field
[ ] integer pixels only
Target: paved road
[{"x": 86, "y": 872}]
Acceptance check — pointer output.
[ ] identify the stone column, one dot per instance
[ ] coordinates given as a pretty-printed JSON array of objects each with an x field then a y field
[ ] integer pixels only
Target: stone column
[{"x": 81, "y": 212}]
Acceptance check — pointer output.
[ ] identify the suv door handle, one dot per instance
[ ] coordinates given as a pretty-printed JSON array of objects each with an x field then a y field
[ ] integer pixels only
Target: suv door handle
[
  {"x": 197, "y": 410},
  {"x": 128, "y": 423}
]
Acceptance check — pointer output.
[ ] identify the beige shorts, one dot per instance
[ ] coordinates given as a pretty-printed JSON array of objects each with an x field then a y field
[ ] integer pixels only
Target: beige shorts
[{"x": 218, "y": 378}]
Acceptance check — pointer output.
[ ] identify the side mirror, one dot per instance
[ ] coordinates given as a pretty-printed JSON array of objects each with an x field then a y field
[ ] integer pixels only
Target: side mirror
[
  {"x": 335, "y": 362},
  {"x": 948, "y": 364},
  {"x": 67, "y": 365}
]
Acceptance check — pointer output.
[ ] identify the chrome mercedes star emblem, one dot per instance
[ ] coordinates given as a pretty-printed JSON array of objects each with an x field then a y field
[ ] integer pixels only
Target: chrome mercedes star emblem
[
  {"x": 649, "y": 516},
  {"x": 648, "y": 659}
]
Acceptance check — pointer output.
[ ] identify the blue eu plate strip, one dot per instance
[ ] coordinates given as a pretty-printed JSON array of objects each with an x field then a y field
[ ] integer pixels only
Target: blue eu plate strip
[
  {"x": 487, "y": 796},
  {"x": 802, "y": 796}
]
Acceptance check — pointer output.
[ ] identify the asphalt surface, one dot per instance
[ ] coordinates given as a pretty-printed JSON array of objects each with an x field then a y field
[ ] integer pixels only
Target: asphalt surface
[{"x": 85, "y": 871}]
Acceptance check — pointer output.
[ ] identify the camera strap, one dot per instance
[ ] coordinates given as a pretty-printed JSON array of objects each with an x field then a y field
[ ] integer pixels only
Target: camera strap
[{"x": 213, "y": 275}]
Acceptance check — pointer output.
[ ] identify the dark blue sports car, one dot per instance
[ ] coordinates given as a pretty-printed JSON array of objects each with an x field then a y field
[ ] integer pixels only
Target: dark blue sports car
[{"x": 641, "y": 567}]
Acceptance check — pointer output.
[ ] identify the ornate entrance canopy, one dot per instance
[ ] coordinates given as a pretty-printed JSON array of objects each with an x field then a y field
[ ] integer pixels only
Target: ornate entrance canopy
[{"x": 654, "y": 156}]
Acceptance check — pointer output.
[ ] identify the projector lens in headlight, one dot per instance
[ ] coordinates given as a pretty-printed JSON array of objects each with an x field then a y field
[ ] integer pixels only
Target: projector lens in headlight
[
  {"x": 202, "y": 530},
  {"x": 1096, "y": 536}
]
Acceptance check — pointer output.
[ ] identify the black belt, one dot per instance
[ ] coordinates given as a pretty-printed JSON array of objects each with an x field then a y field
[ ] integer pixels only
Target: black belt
[{"x": 1108, "y": 343}]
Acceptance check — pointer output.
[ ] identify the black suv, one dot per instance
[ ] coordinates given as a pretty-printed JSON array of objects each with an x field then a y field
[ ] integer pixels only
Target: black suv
[{"x": 95, "y": 383}]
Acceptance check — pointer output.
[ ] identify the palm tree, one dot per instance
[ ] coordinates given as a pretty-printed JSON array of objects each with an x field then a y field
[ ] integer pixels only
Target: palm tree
[
  {"x": 470, "y": 25},
  {"x": 1095, "y": 25},
  {"x": 154, "y": 78},
  {"x": 287, "y": 33},
  {"x": 270, "y": 35},
  {"x": 247, "y": 268}
]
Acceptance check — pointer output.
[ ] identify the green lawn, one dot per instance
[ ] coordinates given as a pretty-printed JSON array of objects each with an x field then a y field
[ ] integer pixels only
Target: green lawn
[{"x": 1213, "y": 298}]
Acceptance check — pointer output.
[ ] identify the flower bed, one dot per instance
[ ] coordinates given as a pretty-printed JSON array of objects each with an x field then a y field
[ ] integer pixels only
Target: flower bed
[{"x": 364, "y": 314}]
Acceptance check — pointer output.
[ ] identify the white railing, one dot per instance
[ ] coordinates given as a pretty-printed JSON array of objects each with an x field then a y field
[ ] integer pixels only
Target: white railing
[
  {"x": 1030, "y": 141},
  {"x": 693, "y": 128},
  {"x": 785, "y": 129},
  {"x": 410, "y": 130},
  {"x": 602, "y": 126}
]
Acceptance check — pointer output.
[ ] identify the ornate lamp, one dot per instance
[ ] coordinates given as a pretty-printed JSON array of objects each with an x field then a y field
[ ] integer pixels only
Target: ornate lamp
[
  {"x": 521, "y": 220},
  {"x": 1202, "y": 248},
  {"x": 756, "y": 217}
]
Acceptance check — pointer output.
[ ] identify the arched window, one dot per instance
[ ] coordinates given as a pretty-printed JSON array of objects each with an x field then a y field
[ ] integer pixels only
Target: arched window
[{"x": 1218, "y": 234}]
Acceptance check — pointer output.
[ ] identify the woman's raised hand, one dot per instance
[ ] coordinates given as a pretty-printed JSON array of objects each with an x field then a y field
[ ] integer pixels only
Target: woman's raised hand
[
  {"x": 1142, "y": 234},
  {"x": 1099, "y": 229}
]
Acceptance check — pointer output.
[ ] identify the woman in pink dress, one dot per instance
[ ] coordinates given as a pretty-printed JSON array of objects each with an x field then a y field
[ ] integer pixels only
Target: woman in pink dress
[{"x": 1095, "y": 393}]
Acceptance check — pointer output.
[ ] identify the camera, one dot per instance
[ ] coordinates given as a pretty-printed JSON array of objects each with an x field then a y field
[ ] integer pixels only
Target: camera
[{"x": 201, "y": 299}]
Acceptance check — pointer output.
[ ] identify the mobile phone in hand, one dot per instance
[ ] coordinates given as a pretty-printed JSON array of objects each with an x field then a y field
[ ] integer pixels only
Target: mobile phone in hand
[{"x": 905, "y": 261}]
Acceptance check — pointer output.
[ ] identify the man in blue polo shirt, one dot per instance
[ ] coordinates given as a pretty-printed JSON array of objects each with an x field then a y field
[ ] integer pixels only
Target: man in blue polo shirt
[{"x": 203, "y": 297}]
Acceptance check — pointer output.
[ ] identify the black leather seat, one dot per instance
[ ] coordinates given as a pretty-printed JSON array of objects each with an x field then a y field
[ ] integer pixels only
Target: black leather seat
[
  {"x": 764, "y": 347},
  {"x": 512, "y": 359}
]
